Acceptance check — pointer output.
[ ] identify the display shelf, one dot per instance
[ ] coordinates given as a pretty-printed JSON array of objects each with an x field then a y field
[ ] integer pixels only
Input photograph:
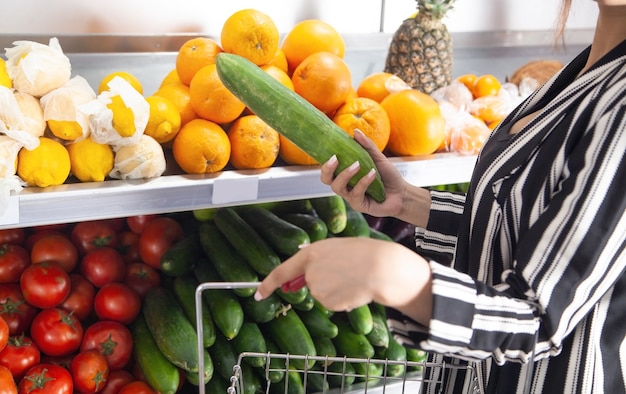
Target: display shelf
[{"x": 77, "y": 202}]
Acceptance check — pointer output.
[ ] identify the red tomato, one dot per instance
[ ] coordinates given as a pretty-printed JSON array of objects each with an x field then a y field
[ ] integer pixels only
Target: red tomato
[
  {"x": 90, "y": 371},
  {"x": 13, "y": 260},
  {"x": 118, "y": 302},
  {"x": 137, "y": 387},
  {"x": 56, "y": 332},
  {"x": 158, "y": 236},
  {"x": 4, "y": 334},
  {"x": 129, "y": 246},
  {"x": 141, "y": 278},
  {"x": 20, "y": 355},
  {"x": 117, "y": 379},
  {"x": 103, "y": 265},
  {"x": 137, "y": 223},
  {"x": 14, "y": 309},
  {"x": 45, "y": 285},
  {"x": 7, "y": 384},
  {"x": 55, "y": 247},
  {"x": 46, "y": 379},
  {"x": 93, "y": 234},
  {"x": 15, "y": 236},
  {"x": 113, "y": 339},
  {"x": 37, "y": 235},
  {"x": 80, "y": 299}
]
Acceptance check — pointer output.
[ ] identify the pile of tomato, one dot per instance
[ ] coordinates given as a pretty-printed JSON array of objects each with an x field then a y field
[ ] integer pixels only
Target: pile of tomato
[{"x": 68, "y": 294}]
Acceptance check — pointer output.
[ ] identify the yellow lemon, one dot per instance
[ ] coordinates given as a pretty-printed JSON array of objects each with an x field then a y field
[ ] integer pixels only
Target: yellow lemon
[
  {"x": 67, "y": 130},
  {"x": 130, "y": 78},
  {"x": 90, "y": 161},
  {"x": 123, "y": 117},
  {"x": 46, "y": 165},
  {"x": 5, "y": 80},
  {"x": 164, "y": 122},
  {"x": 170, "y": 77}
]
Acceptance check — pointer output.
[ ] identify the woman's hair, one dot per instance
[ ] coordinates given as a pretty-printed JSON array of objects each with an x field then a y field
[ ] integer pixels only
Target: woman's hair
[{"x": 562, "y": 21}]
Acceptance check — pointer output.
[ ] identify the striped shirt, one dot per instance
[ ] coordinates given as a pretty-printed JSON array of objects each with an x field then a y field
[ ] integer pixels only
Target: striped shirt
[{"x": 533, "y": 257}]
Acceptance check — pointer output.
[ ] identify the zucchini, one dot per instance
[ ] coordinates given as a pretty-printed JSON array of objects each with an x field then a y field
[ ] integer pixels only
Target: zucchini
[
  {"x": 224, "y": 305},
  {"x": 246, "y": 241},
  {"x": 356, "y": 224},
  {"x": 314, "y": 226},
  {"x": 262, "y": 311},
  {"x": 348, "y": 342},
  {"x": 318, "y": 323},
  {"x": 332, "y": 210},
  {"x": 282, "y": 236},
  {"x": 250, "y": 339},
  {"x": 360, "y": 319},
  {"x": 291, "y": 336},
  {"x": 184, "y": 288},
  {"x": 160, "y": 373},
  {"x": 295, "y": 118},
  {"x": 180, "y": 258},
  {"x": 229, "y": 264}
]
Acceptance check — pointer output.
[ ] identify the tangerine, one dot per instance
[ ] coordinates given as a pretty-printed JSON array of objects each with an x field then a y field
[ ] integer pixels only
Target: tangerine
[
  {"x": 194, "y": 54},
  {"x": 308, "y": 37},
  {"x": 211, "y": 100},
  {"x": 486, "y": 85},
  {"x": 170, "y": 77},
  {"x": 201, "y": 146},
  {"x": 468, "y": 80},
  {"x": 254, "y": 144},
  {"x": 280, "y": 60},
  {"x": 290, "y": 153},
  {"x": 378, "y": 85},
  {"x": 178, "y": 94},
  {"x": 366, "y": 115},
  {"x": 252, "y": 34}
]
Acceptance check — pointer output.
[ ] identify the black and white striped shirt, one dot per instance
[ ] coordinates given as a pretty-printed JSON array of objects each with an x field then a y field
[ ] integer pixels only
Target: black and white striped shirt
[{"x": 537, "y": 247}]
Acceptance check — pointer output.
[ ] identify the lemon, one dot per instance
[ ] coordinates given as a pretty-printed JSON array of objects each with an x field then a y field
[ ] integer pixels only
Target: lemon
[
  {"x": 5, "y": 80},
  {"x": 130, "y": 78},
  {"x": 67, "y": 130},
  {"x": 170, "y": 77},
  {"x": 164, "y": 121},
  {"x": 123, "y": 117},
  {"x": 46, "y": 165},
  {"x": 145, "y": 159},
  {"x": 90, "y": 161}
]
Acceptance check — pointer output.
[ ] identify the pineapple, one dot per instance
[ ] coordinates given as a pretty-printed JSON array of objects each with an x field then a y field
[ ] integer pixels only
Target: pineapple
[{"x": 421, "y": 49}]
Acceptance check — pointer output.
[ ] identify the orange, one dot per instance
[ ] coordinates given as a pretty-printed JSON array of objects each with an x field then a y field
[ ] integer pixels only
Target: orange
[
  {"x": 252, "y": 34},
  {"x": 279, "y": 60},
  {"x": 194, "y": 54},
  {"x": 470, "y": 139},
  {"x": 378, "y": 85},
  {"x": 211, "y": 100},
  {"x": 170, "y": 77},
  {"x": 253, "y": 143},
  {"x": 417, "y": 124},
  {"x": 178, "y": 93},
  {"x": 201, "y": 146},
  {"x": 324, "y": 80},
  {"x": 291, "y": 154},
  {"x": 278, "y": 74},
  {"x": 308, "y": 37},
  {"x": 489, "y": 108},
  {"x": 485, "y": 85},
  {"x": 468, "y": 80},
  {"x": 366, "y": 115}
]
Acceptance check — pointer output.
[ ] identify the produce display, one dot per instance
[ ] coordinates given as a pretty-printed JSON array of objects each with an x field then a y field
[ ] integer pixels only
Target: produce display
[{"x": 104, "y": 305}]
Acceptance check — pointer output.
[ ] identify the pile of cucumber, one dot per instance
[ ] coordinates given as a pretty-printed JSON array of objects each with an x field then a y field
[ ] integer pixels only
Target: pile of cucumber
[{"x": 243, "y": 244}]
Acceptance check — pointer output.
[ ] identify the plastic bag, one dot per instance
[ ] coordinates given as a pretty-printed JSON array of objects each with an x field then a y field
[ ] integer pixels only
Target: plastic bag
[
  {"x": 465, "y": 133},
  {"x": 144, "y": 159},
  {"x": 456, "y": 94},
  {"x": 12, "y": 122},
  {"x": 37, "y": 68},
  {"x": 9, "y": 149}
]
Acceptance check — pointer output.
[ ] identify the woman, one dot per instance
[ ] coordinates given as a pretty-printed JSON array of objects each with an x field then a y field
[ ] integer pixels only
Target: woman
[{"x": 530, "y": 263}]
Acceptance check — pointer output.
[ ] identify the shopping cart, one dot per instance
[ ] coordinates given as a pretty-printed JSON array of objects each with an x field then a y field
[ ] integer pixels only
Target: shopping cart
[{"x": 345, "y": 380}]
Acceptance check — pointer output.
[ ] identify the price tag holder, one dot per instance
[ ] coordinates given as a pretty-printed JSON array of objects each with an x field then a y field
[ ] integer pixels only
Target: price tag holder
[
  {"x": 226, "y": 191},
  {"x": 11, "y": 214}
]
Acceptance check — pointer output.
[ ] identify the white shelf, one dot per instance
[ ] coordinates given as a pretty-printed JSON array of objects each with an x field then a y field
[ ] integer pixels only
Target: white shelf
[{"x": 77, "y": 202}]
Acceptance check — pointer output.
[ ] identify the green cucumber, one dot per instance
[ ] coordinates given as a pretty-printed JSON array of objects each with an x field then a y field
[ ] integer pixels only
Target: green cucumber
[
  {"x": 377, "y": 234},
  {"x": 217, "y": 384},
  {"x": 276, "y": 371},
  {"x": 293, "y": 206},
  {"x": 246, "y": 241},
  {"x": 250, "y": 339},
  {"x": 160, "y": 373},
  {"x": 224, "y": 356},
  {"x": 318, "y": 323},
  {"x": 360, "y": 319},
  {"x": 341, "y": 374},
  {"x": 356, "y": 224},
  {"x": 305, "y": 305},
  {"x": 395, "y": 352},
  {"x": 316, "y": 380},
  {"x": 293, "y": 297},
  {"x": 224, "y": 305},
  {"x": 371, "y": 371},
  {"x": 180, "y": 258},
  {"x": 314, "y": 226},
  {"x": 291, "y": 336},
  {"x": 414, "y": 355},
  {"x": 291, "y": 384},
  {"x": 332, "y": 210},
  {"x": 324, "y": 346},
  {"x": 295, "y": 118},
  {"x": 264, "y": 310},
  {"x": 379, "y": 336},
  {"x": 348, "y": 342},
  {"x": 282, "y": 236},
  {"x": 228, "y": 263},
  {"x": 184, "y": 288}
]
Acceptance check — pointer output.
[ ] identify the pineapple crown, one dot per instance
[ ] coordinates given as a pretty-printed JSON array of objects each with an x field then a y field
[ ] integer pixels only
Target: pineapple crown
[{"x": 436, "y": 8}]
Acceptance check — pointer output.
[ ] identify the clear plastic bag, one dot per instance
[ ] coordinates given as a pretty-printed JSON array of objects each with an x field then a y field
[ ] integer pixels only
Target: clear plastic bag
[
  {"x": 144, "y": 159},
  {"x": 12, "y": 122}
]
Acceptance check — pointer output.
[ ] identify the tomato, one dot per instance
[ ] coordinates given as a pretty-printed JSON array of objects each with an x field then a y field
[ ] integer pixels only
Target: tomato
[
  {"x": 14, "y": 309},
  {"x": 113, "y": 339},
  {"x": 137, "y": 387},
  {"x": 129, "y": 246},
  {"x": 118, "y": 302},
  {"x": 7, "y": 384},
  {"x": 136, "y": 224},
  {"x": 158, "y": 236},
  {"x": 45, "y": 285},
  {"x": 20, "y": 355},
  {"x": 56, "y": 332},
  {"x": 13, "y": 260},
  {"x": 103, "y": 265},
  {"x": 141, "y": 277},
  {"x": 94, "y": 234},
  {"x": 80, "y": 299},
  {"x": 90, "y": 371},
  {"x": 46, "y": 379},
  {"x": 55, "y": 247},
  {"x": 4, "y": 334},
  {"x": 14, "y": 236},
  {"x": 117, "y": 379}
]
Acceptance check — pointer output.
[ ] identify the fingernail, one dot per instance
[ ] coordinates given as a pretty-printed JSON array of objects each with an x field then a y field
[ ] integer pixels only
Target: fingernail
[
  {"x": 371, "y": 173},
  {"x": 354, "y": 166},
  {"x": 257, "y": 296},
  {"x": 332, "y": 161},
  {"x": 358, "y": 131},
  {"x": 304, "y": 245}
]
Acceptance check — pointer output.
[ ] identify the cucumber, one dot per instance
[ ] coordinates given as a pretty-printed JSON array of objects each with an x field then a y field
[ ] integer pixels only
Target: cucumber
[
  {"x": 262, "y": 311},
  {"x": 332, "y": 210},
  {"x": 295, "y": 118},
  {"x": 377, "y": 234},
  {"x": 305, "y": 305},
  {"x": 360, "y": 319},
  {"x": 293, "y": 206},
  {"x": 315, "y": 379},
  {"x": 180, "y": 258},
  {"x": 291, "y": 336},
  {"x": 291, "y": 384},
  {"x": 371, "y": 371},
  {"x": 282, "y": 236},
  {"x": 217, "y": 384},
  {"x": 224, "y": 305},
  {"x": 276, "y": 371},
  {"x": 324, "y": 346},
  {"x": 160, "y": 373},
  {"x": 172, "y": 331},
  {"x": 415, "y": 356},
  {"x": 348, "y": 342},
  {"x": 318, "y": 323},
  {"x": 246, "y": 241},
  {"x": 341, "y": 374},
  {"x": 379, "y": 336},
  {"x": 314, "y": 226},
  {"x": 395, "y": 352},
  {"x": 229, "y": 264},
  {"x": 356, "y": 224},
  {"x": 293, "y": 297},
  {"x": 184, "y": 288},
  {"x": 250, "y": 339},
  {"x": 226, "y": 357}
]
